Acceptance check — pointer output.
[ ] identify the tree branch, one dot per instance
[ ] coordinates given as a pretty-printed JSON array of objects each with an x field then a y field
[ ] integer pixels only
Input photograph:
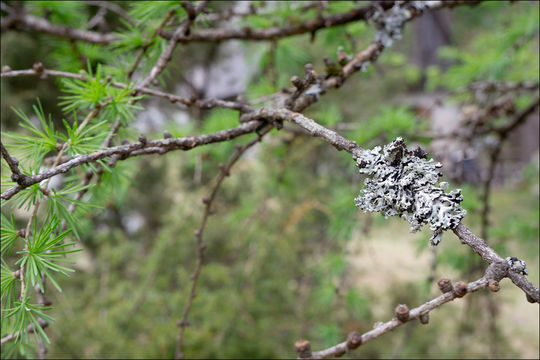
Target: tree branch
[
  {"x": 182, "y": 30},
  {"x": 25, "y": 22},
  {"x": 136, "y": 149},
  {"x": 403, "y": 315},
  {"x": 201, "y": 103}
]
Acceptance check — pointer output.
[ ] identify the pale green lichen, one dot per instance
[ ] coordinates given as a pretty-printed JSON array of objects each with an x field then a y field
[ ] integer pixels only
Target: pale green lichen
[
  {"x": 403, "y": 183},
  {"x": 517, "y": 265}
]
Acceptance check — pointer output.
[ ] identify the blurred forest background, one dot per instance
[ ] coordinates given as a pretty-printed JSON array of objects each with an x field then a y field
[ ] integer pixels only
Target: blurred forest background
[{"x": 288, "y": 255}]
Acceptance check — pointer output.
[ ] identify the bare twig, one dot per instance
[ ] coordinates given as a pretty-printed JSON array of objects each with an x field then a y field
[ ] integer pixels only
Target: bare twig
[
  {"x": 112, "y": 7},
  {"x": 148, "y": 43},
  {"x": 208, "y": 201},
  {"x": 13, "y": 164},
  {"x": 26, "y": 22},
  {"x": 182, "y": 30},
  {"x": 201, "y": 103},
  {"x": 137, "y": 149},
  {"x": 355, "y": 339}
]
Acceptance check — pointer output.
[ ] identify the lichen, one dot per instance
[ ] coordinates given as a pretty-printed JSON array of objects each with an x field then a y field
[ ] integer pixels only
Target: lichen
[
  {"x": 517, "y": 265},
  {"x": 389, "y": 23},
  {"x": 403, "y": 183}
]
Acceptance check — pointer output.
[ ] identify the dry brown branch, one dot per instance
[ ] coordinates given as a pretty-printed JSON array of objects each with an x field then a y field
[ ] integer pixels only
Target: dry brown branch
[
  {"x": 25, "y": 22},
  {"x": 308, "y": 26},
  {"x": 355, "y": 339},
  {"x": 181, "y": 31},
  {"x": 136, "y": 149},
  {"x": 13, "y": 164},
  {"x": 112, "y": 7},
  {"x": 201, "y": 103}
]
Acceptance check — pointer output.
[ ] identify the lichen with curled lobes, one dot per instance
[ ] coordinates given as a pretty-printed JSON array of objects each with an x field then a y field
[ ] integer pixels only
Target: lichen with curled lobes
[{"x": 403, "y": 183}]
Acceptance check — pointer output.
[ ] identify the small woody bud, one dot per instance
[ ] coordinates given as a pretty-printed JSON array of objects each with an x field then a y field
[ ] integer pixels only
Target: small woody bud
[
  {"x": 445, "y": 285},
  {"x": 296, "y": 82},
  {"x": 38, "y": 68},
  {"x": 424, "y": 318},
  {"x": 303, "y": 349},
  {"x": 354, "y": 340},
  {"x": 494, "y": 285},
  {"x": 460, "y": 289},
  {"x": 402, "y": 312}
]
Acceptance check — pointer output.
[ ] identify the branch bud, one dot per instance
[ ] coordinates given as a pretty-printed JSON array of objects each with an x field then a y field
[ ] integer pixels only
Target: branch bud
[
  {"x": 445, "y": 285},
  {"x": 303, "y": 349},
  {"x": 424, "y": 318},
  {"x": 296, "y": 82},
  {"x": 460, "y": 289},
  {"x": 402, "y": 312},
  {"x": 354, "y": 340},
  {"x": 494, "y": 286},
  {"x": 38, "y": 68},
  {"x": 143, "y": 140}
]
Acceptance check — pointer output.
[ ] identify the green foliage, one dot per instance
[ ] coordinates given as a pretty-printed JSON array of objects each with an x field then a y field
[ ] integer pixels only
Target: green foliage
[
  {"x": 24, "y": 313},
  {"x": 499, "y": 55},
  {"x": 151, "y": 12},
  {"x": 44, "y": 252},
  {"x": 41, "y": 142},
  {"x": 7, "y": 285},
  {"x": 284, "y": 244},
  {"x": 8, "y": 234},
  {"x": 71, "y": 13},
  {"x": 97, "y": 91},
  {"x": 84, "y": 140},
  {"x": 329, "y": 116},
  {"x": 29, "y": 196},
  {"x": 387, "y": 125},
  {"x": 57, "y": 204}
]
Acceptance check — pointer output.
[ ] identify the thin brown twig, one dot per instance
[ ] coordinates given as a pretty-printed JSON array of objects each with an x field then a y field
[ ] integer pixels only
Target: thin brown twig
[
  {"x": 112, "y": 7},
  {"x": 138, "y": 148},
  {"x": 13, "y": 164},
  {"x": 182, "y": 30},
  {"x": 26, "y": 22},
  {"x": 495, "y": 272},
  {"x": 148, "y": 43},
  {"x": 201, "y": 103},
  {"x": 208, "y": 201}
]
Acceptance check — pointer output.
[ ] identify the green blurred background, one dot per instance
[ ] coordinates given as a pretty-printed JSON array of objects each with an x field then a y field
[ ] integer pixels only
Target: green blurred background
[{"x": 288, "y": 255}]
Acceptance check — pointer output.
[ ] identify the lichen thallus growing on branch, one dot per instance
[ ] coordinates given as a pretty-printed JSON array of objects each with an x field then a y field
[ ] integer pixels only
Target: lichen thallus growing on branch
[{"x": 403, "y": 183}]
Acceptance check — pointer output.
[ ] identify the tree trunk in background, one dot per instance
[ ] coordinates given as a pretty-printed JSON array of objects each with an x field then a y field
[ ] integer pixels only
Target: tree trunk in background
[{"x": 430, "y": 33}]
